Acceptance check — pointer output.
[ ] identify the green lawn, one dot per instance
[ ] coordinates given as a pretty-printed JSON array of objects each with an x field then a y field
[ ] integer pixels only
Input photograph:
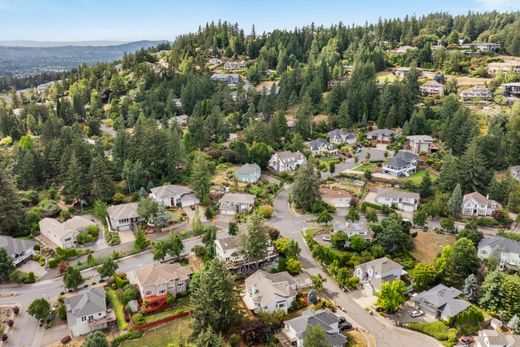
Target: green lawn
[
  {"x": 438, "y": 330},
  {"x": 180, "y": 305},
  {"x": 118, "y": 309},
  {"x": 417, "y": 177},
  {"x": 365, "y": 167},
  {"x": 176, "y": 332}
]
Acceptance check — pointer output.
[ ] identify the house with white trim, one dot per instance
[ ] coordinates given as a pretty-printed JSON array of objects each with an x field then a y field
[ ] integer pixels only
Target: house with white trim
[
  {"x": 403, "y": 163},
  {"x": 173, "y": 195},
  {"x": 507, "y": 249},
  {"x": 374, "y": 273},
  {"x": 286, "y": 161},
  {"x": 476, "y": 204},
  {"x": 402, "y": 200},
  {"x": 64, "y": 234},
  {"x": 340, "y": 136},
  {"x": 269, "y": 292}
]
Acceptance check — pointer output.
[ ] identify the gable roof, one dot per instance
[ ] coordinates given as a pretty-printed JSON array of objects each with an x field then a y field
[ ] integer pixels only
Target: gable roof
[
  {"x": 171, "y": 190},
  {"x": 438, "y": 296},
  {"x": 86, "y": 302},
  {"x": 340, "y": 134},
  {"x": 384, "y": 132},
  {"x": 248, "y": 169},
  {"x": 407, "y": 156},
  {"x": 61, "y": 230},
  {"x": 157, "y": 273},
  {"x": 433, "y": 83},
  {"x": 238, "y": 198},
  {"x": 334, "y": 193},
  {"x": 505, "y": 245},
  {"x": 15, "y": 246},
  {"x": 381, "y": 265},
  {"x": 481, "y": 199},
  {"x": 78, "y": 223},
  {"x": 323, "y": 318},
  {"x": 397, "y": 194},
  {"x": 269, "y": 285},
  {"x": 287, "y": 156},
  {"x": 123, "y": 211},
  {"x": 227, "y": 243},
  {"x": 454, "y": 307},
  {"x": 397, "y": 162},
  {"x": 316, "y": 144}
]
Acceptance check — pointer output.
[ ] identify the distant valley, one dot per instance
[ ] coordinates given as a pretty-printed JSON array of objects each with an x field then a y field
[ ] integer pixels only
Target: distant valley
[{"x": 21, "y": 61}]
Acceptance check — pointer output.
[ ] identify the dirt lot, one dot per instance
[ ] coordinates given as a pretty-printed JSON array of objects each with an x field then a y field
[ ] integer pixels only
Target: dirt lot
[{"x": 429, "y": 244}]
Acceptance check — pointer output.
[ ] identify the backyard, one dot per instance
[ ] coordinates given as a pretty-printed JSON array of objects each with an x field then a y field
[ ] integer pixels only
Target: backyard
[
  {"x": 429, "y": 244},
  {"x": 365, "y": 167},
  {"x": 118, "y": 309},
  {"x": 180, "y": 305},
  {"x": 417, "y": 177},
  {"x": 176, "y": 332}
]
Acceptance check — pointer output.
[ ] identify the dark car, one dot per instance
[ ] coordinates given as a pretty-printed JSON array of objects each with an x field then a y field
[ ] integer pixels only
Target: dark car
[{"x": 343, "y": 324}]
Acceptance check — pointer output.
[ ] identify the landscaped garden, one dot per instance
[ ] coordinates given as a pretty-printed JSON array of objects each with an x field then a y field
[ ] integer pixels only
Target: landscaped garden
[
  {"x": 176, "y": 332},
  {"x": 118, "y": 307}
]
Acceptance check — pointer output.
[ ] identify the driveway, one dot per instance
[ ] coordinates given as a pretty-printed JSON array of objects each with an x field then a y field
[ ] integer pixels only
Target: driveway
[
  {"x": 34, "y": 267},
  {"x": 403, "y": 315},
  {"x": 340, "y": 168},
  {"x": 385, "y": 333}
]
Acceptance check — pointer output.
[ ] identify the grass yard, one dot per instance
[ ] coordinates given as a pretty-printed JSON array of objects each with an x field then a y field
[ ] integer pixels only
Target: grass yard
[
  {"x": 365, "y": 167},
  {"x": 176, "y": 332},
  {"x": 438, "y": 330},
  {"x": 181, "y": 305},
  {"x": 417, "y": 177},
  {"x": 356, "y": 338},
  {"x": 429, "y": 244},
  {"x": 118, "y": 309},
  {"x": 386, "y": 76}
]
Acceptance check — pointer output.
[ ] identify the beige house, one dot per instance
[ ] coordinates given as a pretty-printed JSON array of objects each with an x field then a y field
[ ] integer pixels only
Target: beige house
[
  {"x": 477, "y": 92},
  {"x": 159, "y": 279},
  {"x": 335, "y": 197},
  {"x": 64, "y": 234},
  {"x": 419, "y": 144},
  {"x": 432, "y": 88},
  {"x": 494, "y": 338},
  {"x": 510, "y": 66},
  {"x": 231, "y": 203},
  {"x": 270, "y": 291},
  {"x": 476, "y": 204},
  {"x": 374, "y": 273},
  {"x": 123, "y": 217},
  {"x": 174, "y": 195}
]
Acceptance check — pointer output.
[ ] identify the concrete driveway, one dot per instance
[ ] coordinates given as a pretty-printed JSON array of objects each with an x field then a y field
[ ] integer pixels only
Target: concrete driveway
[{"x": 403, "y": 315}]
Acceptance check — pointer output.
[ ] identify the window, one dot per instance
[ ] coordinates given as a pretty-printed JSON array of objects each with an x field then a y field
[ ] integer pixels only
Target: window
[{"x": 83, "y": 319}]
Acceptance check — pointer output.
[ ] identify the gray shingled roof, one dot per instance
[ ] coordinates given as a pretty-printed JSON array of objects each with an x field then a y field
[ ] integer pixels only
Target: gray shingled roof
[
  {"x": 323, "y": 318},
  {"x": 238, "y": 198},
  {"x": 385, "y": 132},
  {"x": 396, "y": 194},
  {"x": 86, "y": 302},
  {"x": 171, "y": 190},
  {"x": 397, "y": 162},
  {"x": 505, "y": 245},
  {"x": 248, "y": 169},
  {"x": 340, "y": 134},
  {"x": 15, "y": 246},
  {"x": 287, "y": 156},
  {"x": 454, "y": 307},
  {"x": 228, "y": 243},
  {"x": 123, "y": 211},
  {"x": 438, "y": 296},
  {"x": 315, "y": 145},
  {"x": 381, "y": 265}
]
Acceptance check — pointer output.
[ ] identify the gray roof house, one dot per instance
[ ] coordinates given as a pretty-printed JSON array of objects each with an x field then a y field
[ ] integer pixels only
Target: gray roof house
[
  {"x": 419, "y": 144},
  {"x": 359, "y": 228},
  {"x": 476, "y": 204},
  {"x": 270, "y": 291},
  {"x": 285, "y": 161},
  {"x": 87, "y": 311},
  {"x": 381, "y": 135},
  {"x": 64, "y": 234},
  {"x": 174, "y": 195},
  {"x": 373, "y": 154},
  {"x": 320, "y": 147},
  {"x": 18, "y": 249},
  {"x": 494, "y": 338},
  {"x": 374, "y": 273},
  {"x": 515, "y": 172},
  {"x": 402, "y": 164},
  {"x": 508, "y": 250},
  {"x": 231, "y": 203},
  {"x": 440, "y": 302},
  {"x": 402, "y": 200},
  {"x": 340, "y": 136},
  {"x": 229, "y": 78},
  {"x": 294, "y": 329},
  {"x": 248, "y": 173},
  {"x": 123, "y": 217}
]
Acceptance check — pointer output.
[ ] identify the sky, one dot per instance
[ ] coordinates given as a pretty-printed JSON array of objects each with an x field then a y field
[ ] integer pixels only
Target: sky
[{"x": 131, "y": 20}]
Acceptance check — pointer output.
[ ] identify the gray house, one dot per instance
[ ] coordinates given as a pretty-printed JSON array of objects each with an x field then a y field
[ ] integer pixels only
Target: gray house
[
  {"x": 18, "y": 249},
  {"x": 508, "y": 250},
  {"x": 381, "y": 135},
  {"x": 440, "y": 302},
  {"x": 248, "y": 173},
  {"x": 229, "y": 78},
  {"x": 232, "y": 203},
  {"x": 321, "y": 147},
  {"x": 123, "y": 217},
  {"x": 402, "y": 164},
  {"x": 174, "y": 195},
  {"x": 340, "y": 136},
  {"x": 295, "y": 328}
]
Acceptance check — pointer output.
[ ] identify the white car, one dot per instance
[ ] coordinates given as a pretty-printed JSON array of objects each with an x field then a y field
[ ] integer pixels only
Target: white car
[
  {"x": 416, "y": 313},
  {"x": 326, "y": 238}
]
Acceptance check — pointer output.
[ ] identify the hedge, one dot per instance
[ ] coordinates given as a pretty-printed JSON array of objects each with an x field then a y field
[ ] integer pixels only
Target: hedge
[{"x": 128, "y": 336}]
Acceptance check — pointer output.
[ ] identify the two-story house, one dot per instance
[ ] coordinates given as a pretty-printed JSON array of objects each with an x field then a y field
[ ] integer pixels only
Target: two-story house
[
  {"x": 477, "y": 92},
  {"x": 286, "y": 161},
  {"x": 123, "y": 217},
  {"x": 174, "y": 195},
  {"x": 419, "y": 144},
  {"x": 64, "y": 234},
  {"x": 359, "y": 228},
  {"x": 381, "y": 135},
  {"x": 87, "y": 311},
  {"x": 402, "y": 164},
  {"x": 432, "y": 88},
  {"x": 269, "y": 292},
  {"x": 227, "y": 250},
  {"x": 18, "y": 249},
  {"x": 495, "y": 338},
  {"x": 507, "y": 249},
  {"x": 228, "y": 78},
  {"x": 511, "y": 89},
  {"x": 505, "y": 67},
  {"x": 404, "y": 201},
  {"x": 440, "y": 302},
  {"x": 476, "y": 204},
  {"x": 321, "y": 147},
  {"x": 294, "y": 329},
  {"x": 231, "y": 203},
  {"x": 340, "y": 136},
  {"x": 374, "y": 273}
]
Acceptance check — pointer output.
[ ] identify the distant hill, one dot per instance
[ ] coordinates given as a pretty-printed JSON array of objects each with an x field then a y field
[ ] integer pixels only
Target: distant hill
[
  {"x": 30, "y": 43},
  {"x": 25, "y": 61}
]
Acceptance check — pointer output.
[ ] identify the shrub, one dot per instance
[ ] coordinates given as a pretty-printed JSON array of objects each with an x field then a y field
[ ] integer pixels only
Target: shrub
[
  {"x": 62, "y": 312},
  {"x": 16, "y": 310},
  {"x": 138, "y": 319},
  {"x": 266, "y": 211},
  {"x": 438, "y": 330},
  {"x": 120, "y": 282},
  {"x": 112, "y": 238},
  {"x": 297, "y": 304},
  {"x": 53, "y": 263},
  {"x": 234, "y": 340},
  {"x": 128, "y": 336}
]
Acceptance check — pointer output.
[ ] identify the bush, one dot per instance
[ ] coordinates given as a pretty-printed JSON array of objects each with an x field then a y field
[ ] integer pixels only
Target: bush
[
  {"x": 112, "y": 238},
  {"x": 120, "y": 282},
  {"x": 62, "y": 312},
  {"x": 199, "y": 250},
  {"x": 297, "y": 304},
  {"x": 234, "y": 340},
  {"x": 266, "y": 211},
  {"x": 138, "y": 319},
  {"x": 53, "y": 263},
  {"x": 438, "y": 330},
  {"x": 128, "y": 336},
  {"x": 65, "y": 339}
]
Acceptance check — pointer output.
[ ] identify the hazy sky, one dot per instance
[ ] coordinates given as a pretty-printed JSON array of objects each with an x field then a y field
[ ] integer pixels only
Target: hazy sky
[{"x": 128, "y": 20}]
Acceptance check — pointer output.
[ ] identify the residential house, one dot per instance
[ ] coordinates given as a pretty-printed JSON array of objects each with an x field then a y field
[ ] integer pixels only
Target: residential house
[
  {"x": 506, "y": 67},
  {"x": 231, "y": 203},
  {"x": 286, "y": 161},
  {"x": 123, "y": 217},
  {"x": 87, "y": 311},
  {"x": 404, "y": 49},
  {"x": 174, "y": 195},
  {"x": 381, "y": 135},
  {"x": 321, "y": 147},
  {"x": 419, "y": 144},
  {"x": 515, "y": 172},
  {"x": 18, "y": 249},
  {"x": 477, "y": 92},
  {"x": 486, "y": 47},
  {"x": 248, "y": 173},
  {"x": 476, "y": 204},
  {"x": 404, "y": 71},
  {"x": 432, "y": 88},
  {"x": 228, "y": 78},
  {"x": 227, "y": 250},
  {"x": 335, "y": 197},
  {"x": 511, "y": 89},
  {"x": 340, "y": 136},
  {"x": 507, "y": 249},
  {"x": 215, "y": 61},
  {"x": 440, "y": 302},
  {"x": 402, "y": 164},
  {"x": 181, "y": 120},
  {"x": 64, "y": 234},
  {"x": 374, "y": 273},
  {"x": 405, "y": 201},
  {"x": 159, "y": 279},
  {"x": 234, "y": 65},
  {"x": 269, "y": 292},
  {"x": 494, "y": 338},
  {"x": 294, "y": 329},
  {"x": 359, "y": 228}
]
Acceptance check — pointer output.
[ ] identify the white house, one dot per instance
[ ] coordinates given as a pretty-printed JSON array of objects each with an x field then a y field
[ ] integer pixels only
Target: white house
[
  {"x": 18, "y": 249},
  {"x": 381, "y": 135},
  {"x": 249, "y": 173},
  {"x": 374, "y": 273},
  {"x": 87, "y": 311},
  {"x": 174, "y": 195},
  {"x": 510, "y": 66},
  {"x": 226, "y": 249},
  {"x": 294, "y": 329},
  {"x": 335, "y": 197},
  {"x": 359, "y": 228},
  {"x": 231, "y": 203},
  {"x": 158, "y": 279},
  {"x": 508, "y": 250},
  {"x": 405, "y": 201},
  {"x": 286, "y": 161},
  {"x": 64, "y": 234},
  {"x": 269, "y": 292},
  {"x": 321, "y": 147},
  {"x": 340, "y": 136},
  {"x": 419, "y": 144},
  {"x": 123, "y": 217},
  {"x": 476, "y": 204},
  {"x": 515, "y": 172},
  {"x": 494, "y": 338},
  {"x": 402, "y": 164},
  {"x": 432, "y": 88},
  {"x": 477, "y": 92}
]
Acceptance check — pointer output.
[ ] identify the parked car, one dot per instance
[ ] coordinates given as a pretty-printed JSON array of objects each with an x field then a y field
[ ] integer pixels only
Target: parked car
[
  {"x": 326, "y": 238},
  {"x": 466, "y": 340},
  {"x": 416, "y": 313},
  {"x": 344, "y": 325}
]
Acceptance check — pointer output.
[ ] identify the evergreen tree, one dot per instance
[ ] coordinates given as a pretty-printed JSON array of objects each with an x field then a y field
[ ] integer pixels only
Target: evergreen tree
[
  {"x": 108, "y": 268},
  {"x": 11, "y": 212},
  {"x": 474, "y": 166},
  {"x": 6, "y": 265},
  {"x": 101, "y": 183},
  {"x": 75, "y": 184},
  {"x": 208, "y": 338},
  {"x": 470, "y": 287},
  {"x": 140, "y": 242},
  {"x": 254, "y": 242},
  {"x": 449, "y": 176},
  {"x": 201, "y": 175},
  {"x": 305, "y": 189},
  {"x": 455, "y": 201},
  {"x": 72, "y": 278},
  {"x": 425, "y": 188}
]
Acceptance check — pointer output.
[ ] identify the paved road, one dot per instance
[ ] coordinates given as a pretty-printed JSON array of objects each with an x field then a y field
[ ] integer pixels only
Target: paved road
[{"x": 383, "y": 331}]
